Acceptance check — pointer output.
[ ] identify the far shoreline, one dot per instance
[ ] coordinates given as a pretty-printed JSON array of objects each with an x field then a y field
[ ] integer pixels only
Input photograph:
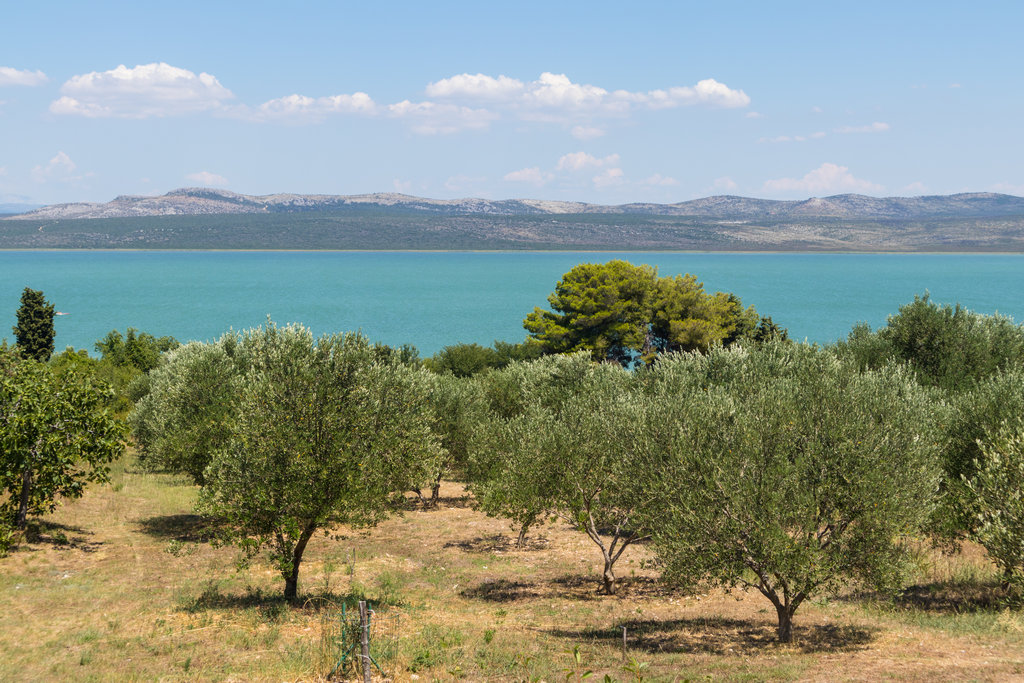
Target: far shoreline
[{"x": 788, "y": 252}]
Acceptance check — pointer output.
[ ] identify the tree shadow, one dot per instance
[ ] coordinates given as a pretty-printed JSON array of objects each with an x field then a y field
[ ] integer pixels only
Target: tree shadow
[
  {"x": 944, "y": 597},
  {"x": 45, "y": 532},
  {"x": 501, "y": 590},
  {"x": 272, "y": 603},
  {"x": 499, "y": 543},
  {"x": 721, "y": 635},
  {"x": 186, "y": 528}
]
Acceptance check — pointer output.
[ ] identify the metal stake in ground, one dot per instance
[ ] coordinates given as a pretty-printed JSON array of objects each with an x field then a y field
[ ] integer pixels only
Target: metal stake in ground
[{"x": 364, "y": 623}]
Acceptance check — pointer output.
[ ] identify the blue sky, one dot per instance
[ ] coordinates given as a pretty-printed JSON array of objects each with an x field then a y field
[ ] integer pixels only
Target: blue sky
[{"x": 591, "y": 101}]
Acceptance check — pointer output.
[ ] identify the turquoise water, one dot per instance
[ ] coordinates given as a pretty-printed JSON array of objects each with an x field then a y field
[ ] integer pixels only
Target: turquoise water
[{"x": 435, "y": 299}]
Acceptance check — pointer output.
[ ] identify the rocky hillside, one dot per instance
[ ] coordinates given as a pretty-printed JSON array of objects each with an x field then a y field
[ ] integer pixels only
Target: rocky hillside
[{"x": 202, "y": 201}]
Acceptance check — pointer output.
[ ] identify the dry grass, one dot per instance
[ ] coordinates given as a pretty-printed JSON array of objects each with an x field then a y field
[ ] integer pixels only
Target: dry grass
[{"x": 123, "y": 585}]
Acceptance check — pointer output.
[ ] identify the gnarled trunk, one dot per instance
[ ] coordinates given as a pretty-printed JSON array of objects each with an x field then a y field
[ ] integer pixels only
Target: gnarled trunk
[
  {"x": 609, "y": 575},
  {"x": 521, "y": 538},
  {"x": 785, "y": 628},
  {"x": 291, "y": 575},
  {"x": 21, "y": 518}
]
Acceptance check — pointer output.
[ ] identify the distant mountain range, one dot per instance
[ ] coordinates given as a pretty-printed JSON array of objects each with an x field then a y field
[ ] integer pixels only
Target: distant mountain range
[{"x": 203, "y": 201}]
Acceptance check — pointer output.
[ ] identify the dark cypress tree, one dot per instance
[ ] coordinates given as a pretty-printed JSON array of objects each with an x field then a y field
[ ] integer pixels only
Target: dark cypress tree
[{"x": 34, "y": 332}]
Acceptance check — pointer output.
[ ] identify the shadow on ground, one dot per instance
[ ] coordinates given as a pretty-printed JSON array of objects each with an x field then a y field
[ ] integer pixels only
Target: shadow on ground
[
  {"x": 499, "y": 543},
  {"x": 502, "y": 590},
  {"x": 719, "y": 635},
  {"x": 271, "y": 603},
  {"x": 942, "y": 597},
  {"x": 182, "y": 527},
  {"x": 44, "y": 532},
  {"x": 571, "y": 586}
]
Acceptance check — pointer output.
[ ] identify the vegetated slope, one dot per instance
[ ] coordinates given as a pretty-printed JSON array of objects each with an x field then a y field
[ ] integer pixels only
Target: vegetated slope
[
  {"x": 386, "y": 230},
  {"x": 216, "y": 219}
]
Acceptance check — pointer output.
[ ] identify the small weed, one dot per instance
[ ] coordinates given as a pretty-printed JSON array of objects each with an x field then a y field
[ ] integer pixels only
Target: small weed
[
  {"x": 389, "y": 588},
  {"x": 179, "y": 549},
  {"x": 575, "y": 672},
  {"x": 489, "y": 635},
  {"x": 637, "y": 669}
]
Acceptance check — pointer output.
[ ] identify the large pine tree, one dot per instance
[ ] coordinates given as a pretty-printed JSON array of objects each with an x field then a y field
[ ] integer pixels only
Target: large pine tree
[{"x": 34, "y": 332}]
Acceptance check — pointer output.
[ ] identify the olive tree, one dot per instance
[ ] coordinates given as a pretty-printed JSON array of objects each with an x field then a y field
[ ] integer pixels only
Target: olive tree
[
  {"x": 325, "y": 431},
  {"x": 457, "y": 408},
  {"x": 56, "y": 436},
  {"x": 569, "y": 452},
  {"x": 189, "y": 410},
  {"x": 785, "y": 470},
  {"x": 997, "y": 486},
  {"x": 992, "y": 405}
]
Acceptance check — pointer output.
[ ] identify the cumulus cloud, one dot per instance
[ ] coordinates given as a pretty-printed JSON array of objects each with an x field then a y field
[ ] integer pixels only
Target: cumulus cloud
[
  {"x": 724, "y": 184},
  {"x": 915, "y": 188},
  {"x": 207, "y": 179},
  {"x": 586, "y": 132},
  {"x": 1009, "y": 188},
  {"x": 532, "y": 175},
  {"x": 433, "y": 118},
  {"x": 578, "y": 161},
  {"x": 876, "y": 127},
  {"x": 555, "y": 96},
  {"x": 826, "y": 179},
  {"x": 300, "y": 107},
  {"x": 464, "y": 183},
  {"x": 147, "y": 90},
  {"x": 476, "y": 87},
  {"x": 12, "y": 76},
  {"x": 59, "y": 168},
  {"x": 658, "y": 180},
  {"x": 794, "y": 138},
  {"x": 610, "y": 176}
]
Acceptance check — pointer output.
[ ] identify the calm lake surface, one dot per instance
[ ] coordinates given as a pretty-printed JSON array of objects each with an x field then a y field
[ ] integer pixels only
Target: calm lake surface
[{"x": 434, "y": 299}]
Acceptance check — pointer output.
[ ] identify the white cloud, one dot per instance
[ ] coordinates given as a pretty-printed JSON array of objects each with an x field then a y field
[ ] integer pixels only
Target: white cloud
[
  {"x": 876, "y": 127},
  {"x": 816, "y": 110},
  {"x": 826, "y": 179},
  {"x": 724, "y": 184},
  {"x": 586, "y": 132},
  {"x": 753, "y": 115},
  {"x": 556, "y": 97},
  {"x": 300, "y": 107},
  {"x": 463, "y": 183},
  {"x": 611, "y": 176},
  {"x": 955, "y": 85},
  {"x": 1009, "y": 188},
  {"x": 915, "y": 188},
  {"x": 794, "y": 138},
  {"x": 433, "y": 118},
  {"x": 207, "y": 179},
  {"x": 476, "y": 86},
  {"x": 532, "y": 175},
  {"x": 60, "y": 168},
  {"x": 658, "y": 180},
  {"x": 11, "y": 76},
  {"x": 402, "y": 185},
  {"x": 709, "y": 91},
  {"x": 147, "y": 90},
  {"x": 578, "y": 161}
]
